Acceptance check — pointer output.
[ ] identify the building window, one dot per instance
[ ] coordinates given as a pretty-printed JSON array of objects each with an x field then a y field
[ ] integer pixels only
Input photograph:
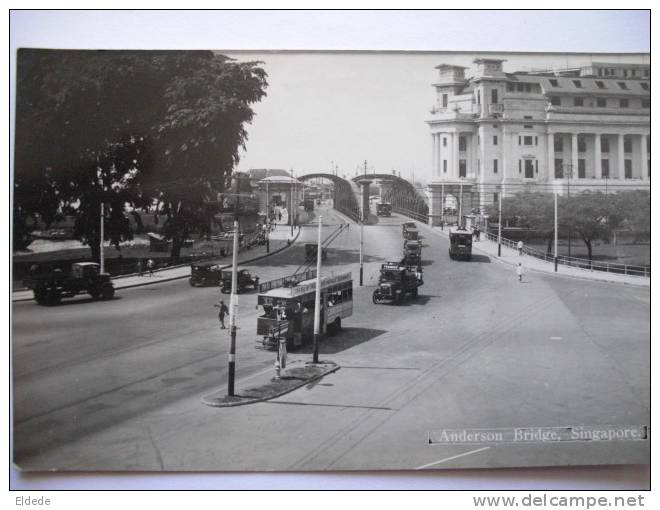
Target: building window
[
  {"x": 578, "y": 101},
  {"x": 600, "y": 84},
  {"x": 554, "y": 83},
  {"x": 625, "y": 73},
  {"x": 559, "y": 144},
  {"x": 559, "y": 168},
  {"x": 555, "y": 100},
  {"x": 646, "y": 103},
  {"x": 493, "y": 95},
  {"x": 445, "y": 99},
  {"x": 494, "y": 166},
  {"x": 528, "y": 126},
  {"x": 528, "y": 117},
  {"x": 462, "y": 144},
  {"x": 644, "y": 85},
  {"x": 646, "y": 73},
  {"x": 520, "y": 140},
  {"x": 582, "y": 172},
  {"x": 605, "y": 168},
  {"x": 478, "y": 140},
  {"x": 444, "y": 142},
  {"x": 622, "y": 85},
  {"x": 529, "y": 169},
  {"x": 627, "y": 145},
  {"x": 510, "y": 87},
  {"x": 601, "y": 102},
  {"x": 520, "y": 166},
  {"x": 536, "y": 166},
  {"x": 604, "y": 144},
  {"x": 494, "y": 139},
  {"x": 536, "y": 140},
  {"x": 528, "y": 140},
  {"x": 627, "y": 165},
  {"x": 520, "y": 87},
  {"x": 577, "y": 83},
  {"x": 462, "y": 168},
  {"x": 496, "y": 198},
  {"x": 582, "y": 144},
  {"x": 444, "y": 167},
  {"x": 623, "y": 103},
  {"x": 600, "y": 71},
  {"x": 478, "y": 97}
]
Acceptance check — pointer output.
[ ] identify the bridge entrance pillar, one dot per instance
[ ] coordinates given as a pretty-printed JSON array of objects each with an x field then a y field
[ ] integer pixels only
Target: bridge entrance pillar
[{"x": 365, "y": 184}]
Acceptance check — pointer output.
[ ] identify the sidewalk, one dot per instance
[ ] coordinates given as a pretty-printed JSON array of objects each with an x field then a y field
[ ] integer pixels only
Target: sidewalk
[
  {"x": 511, "y": 257},
  {"x": 278, "y": 242}
]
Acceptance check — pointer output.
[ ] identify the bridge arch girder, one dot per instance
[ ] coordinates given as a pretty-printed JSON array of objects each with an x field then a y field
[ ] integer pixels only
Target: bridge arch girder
[
  {"x": 403, "y": 196},
  {"x": 343, "y": 195}
]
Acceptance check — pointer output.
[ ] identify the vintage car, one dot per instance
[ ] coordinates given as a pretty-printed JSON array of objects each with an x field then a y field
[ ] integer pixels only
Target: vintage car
[{"x": 243, "y": 278}]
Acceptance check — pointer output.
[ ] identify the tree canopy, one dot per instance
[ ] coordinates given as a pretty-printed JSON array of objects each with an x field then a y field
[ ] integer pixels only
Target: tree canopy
[{"x": 128, "y": 127}]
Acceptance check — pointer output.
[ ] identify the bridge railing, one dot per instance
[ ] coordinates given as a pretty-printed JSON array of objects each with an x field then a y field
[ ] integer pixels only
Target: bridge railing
[
  {"x": 591, "y": 265},
  {"x": 415, "y": 215}
]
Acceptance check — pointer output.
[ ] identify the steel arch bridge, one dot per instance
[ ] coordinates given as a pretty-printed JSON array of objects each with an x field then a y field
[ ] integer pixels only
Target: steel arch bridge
[
  {"x": 343, "y": 195},
  {"x": 403, "y": 196}
]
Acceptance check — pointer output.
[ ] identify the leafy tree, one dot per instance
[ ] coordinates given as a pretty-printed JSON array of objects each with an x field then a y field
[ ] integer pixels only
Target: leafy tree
[{"x": 126, "y": 127}]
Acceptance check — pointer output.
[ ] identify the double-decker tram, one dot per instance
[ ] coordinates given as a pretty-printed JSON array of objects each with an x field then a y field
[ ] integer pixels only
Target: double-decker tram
[{"x": 289, "y": 311}]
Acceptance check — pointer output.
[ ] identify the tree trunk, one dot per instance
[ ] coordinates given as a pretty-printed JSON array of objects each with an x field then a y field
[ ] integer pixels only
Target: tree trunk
[
  {"x": 589, "y": 252},
  {"x": 177, "y": 244}
]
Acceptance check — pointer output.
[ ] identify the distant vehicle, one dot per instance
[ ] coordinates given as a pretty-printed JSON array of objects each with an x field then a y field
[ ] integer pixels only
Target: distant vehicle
[
  {"x": 409, "y": 230},
  {"x": 460, "y": 243},
  {"x": 308, "y": 204},
  {"x": 412, "y": 252},
  {"x": 85, "y": 277},
  {"x": 375, "y": 198},
  {"x": 383, "y": 209},
  {"x": 205, "y": 273},
  {"x": 311, "y": 250},
  {"x": 243, "y": 279},
  {"x": 289, "y": 311},
  {"x": 396, "y": 280}
]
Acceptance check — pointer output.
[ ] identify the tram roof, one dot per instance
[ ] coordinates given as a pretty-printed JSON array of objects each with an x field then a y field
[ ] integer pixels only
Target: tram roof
[{"x": 306, "y": 286}]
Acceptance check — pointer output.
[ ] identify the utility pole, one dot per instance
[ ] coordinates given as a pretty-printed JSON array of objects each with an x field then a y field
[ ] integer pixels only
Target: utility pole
[
  {"x": 361, "y": 244},
  {"x": 233, "y": 304},
  {"x": 317, "y": 296},
  {"x": 569, "y": 168},
  {"x": 556, "y": 231},
  {"x": 460, "y": 207},
  {"x": 499, "y": 225},
  {"x": 102, "y": 230},
  {"x": 442, "y": 206}
]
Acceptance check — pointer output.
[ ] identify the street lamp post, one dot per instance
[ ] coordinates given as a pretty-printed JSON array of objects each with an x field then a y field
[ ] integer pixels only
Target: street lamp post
[
  {"x": 361, "y": 245},
  {"x": 233, "y": 303},
  {"x": 556, "y": 228},
  {"x": 499, "y": 224},
  {"x": 102, "y": 231},
  {"x": 460, "y": 206},
  {"x": 569, "y": 174},
  {"x": 317, "y": 296}
]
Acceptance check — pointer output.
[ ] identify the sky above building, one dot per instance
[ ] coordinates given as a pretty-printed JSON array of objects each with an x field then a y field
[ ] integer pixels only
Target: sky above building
[{"x": 326, "y": 110}]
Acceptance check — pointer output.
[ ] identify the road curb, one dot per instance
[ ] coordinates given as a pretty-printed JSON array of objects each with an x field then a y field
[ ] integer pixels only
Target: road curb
[
  {"x": 173, "y": 278},
  {"x": 217, "y": 399},
  {"x": 544, "y": 271}
]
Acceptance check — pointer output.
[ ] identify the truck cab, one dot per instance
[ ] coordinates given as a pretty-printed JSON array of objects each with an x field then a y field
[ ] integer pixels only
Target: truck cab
[{"x": 395, "y": 281}]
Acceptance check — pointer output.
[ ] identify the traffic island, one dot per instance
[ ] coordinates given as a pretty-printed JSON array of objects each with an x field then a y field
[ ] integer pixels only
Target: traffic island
[{"x": 290, "y": 379}]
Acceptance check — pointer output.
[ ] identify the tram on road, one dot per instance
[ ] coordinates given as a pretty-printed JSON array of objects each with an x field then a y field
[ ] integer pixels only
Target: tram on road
[
  {"x": 289, "y": 311},
  {"x": 460, "y": 243}
]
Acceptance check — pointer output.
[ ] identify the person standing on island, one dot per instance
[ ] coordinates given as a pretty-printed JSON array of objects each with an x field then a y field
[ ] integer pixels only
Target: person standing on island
[
  {"x": 520, "y": 247},
  {"x": 221, "y": 314},
  {"x": 519, "y": 271}
]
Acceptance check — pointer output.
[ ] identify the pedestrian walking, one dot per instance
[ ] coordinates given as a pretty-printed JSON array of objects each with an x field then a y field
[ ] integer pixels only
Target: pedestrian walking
[
  {"x": 150, "y": 266},
  {"x": 519, "y": 271},
  {"x": 478, "y": 233},
  {"x": 221, "y": 314},
  {"x": 520, "y": 247},
  {"x": 140, "y": 268}
]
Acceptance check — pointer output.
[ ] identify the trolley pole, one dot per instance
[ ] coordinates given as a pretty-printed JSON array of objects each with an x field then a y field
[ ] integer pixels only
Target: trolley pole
[
  {"x": 317, "y": 296},
  {"x": 361, "y": 249},
  {"x": 556, "y": 231},
  {"x": 499, "y": 226},
  {"x": 101, "y": 255},
  {"x": 233, "y": 311}
]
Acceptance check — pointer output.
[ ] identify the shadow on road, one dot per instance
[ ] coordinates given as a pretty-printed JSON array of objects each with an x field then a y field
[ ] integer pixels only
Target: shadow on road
[
  {"x": 484, "y": 259},
  {"x": 82, "y": 301},
  {"x": 347, "y": 338}
]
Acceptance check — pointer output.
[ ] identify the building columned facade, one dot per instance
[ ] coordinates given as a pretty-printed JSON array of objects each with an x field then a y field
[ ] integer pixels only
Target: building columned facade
[{"x": 573, "y": 130}]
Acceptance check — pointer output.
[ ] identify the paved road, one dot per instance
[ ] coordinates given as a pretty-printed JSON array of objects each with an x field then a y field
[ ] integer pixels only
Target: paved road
[{"x": 117, "y": 385}]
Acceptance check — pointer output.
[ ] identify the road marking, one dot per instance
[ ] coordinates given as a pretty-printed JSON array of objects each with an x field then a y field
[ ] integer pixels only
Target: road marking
[{"x": 453, "y": 457}]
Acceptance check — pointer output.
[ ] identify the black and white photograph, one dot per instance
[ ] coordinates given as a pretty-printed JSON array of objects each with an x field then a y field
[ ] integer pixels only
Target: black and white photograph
[{"x": 321, "y": 260}]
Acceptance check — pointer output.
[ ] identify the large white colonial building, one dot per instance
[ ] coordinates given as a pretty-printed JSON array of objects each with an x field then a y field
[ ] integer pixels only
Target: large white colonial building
[{"x": 496, "y": 133}]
